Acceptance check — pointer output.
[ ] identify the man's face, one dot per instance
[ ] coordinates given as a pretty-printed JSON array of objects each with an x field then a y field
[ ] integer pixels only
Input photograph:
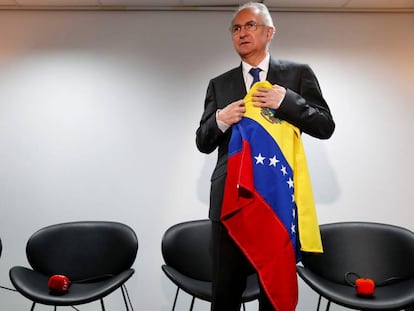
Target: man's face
[{"x": 250, "y": 43}]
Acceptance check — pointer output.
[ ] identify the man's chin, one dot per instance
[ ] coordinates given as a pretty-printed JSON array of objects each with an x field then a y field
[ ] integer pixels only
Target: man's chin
[{"x": 244, "y": 52}]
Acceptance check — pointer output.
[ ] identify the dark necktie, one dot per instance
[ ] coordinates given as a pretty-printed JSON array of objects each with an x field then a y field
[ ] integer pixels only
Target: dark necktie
[
  {"x": 255, "y": 73},
  {"x": 267, "y": 111}
]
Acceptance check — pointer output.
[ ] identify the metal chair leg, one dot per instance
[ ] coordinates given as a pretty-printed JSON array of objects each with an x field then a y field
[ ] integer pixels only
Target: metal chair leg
[
  {"x": 126, "y": 297},
  {"x": 319, "y": 302},
  {"x": 328, "y": 305},
  {"x": 175, "y": 299},
  {"x": 192, "y": 303},
  {"x": 102, "y": 304},
  {"x": 33, "y": 306}
]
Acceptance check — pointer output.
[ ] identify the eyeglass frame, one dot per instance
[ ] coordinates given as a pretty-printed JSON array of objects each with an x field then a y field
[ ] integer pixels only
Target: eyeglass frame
[{"x": 249, "y": 26}]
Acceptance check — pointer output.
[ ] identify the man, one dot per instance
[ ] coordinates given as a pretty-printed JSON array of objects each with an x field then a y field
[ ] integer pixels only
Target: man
[{"x": 295, "y": 98}]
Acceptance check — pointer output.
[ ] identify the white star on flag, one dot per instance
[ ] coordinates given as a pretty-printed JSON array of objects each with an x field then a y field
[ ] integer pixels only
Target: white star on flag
[
  {"x": 259, "y": 159},
  {"x": 273, "y": 161},
  {"x": 290, "y": 182},
  {"x": 283, "y": 170}
]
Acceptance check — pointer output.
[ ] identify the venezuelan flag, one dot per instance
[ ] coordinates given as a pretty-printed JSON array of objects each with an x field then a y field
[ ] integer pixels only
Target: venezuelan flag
[{"x": 268, "y": 205}]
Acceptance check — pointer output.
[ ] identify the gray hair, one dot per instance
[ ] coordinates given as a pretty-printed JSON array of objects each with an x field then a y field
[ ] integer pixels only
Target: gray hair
[{"x": 263, "y": 12}]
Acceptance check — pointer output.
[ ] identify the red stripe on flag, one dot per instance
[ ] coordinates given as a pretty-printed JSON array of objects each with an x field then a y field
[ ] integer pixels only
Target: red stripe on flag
[{"x": 257, "y": 230}]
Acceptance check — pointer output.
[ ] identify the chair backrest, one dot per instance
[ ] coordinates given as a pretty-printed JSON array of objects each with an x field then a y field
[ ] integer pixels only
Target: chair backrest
[
  {"x": 83, "y": 250},
  {"x": 187, "y": 248},
  {"x": 373, "y": 250}
]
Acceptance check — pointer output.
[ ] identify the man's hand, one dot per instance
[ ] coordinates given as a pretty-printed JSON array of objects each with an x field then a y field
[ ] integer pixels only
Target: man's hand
[
  {"x": 232, "y": 113},
  {"x": 269, "y": 97}
]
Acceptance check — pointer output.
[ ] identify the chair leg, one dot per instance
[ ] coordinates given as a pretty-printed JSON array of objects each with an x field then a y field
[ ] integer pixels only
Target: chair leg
[
  {"x": 328, "y": 305},
  {"x": 102, "y": 304},
  {"x": 33, "y": 306},
  {"x": 175, "y": 298},
  {"x": 192, "y": 303},
  {"x": 244, "y": 306},
  {"x": 126, "y": 297},
  {"x": 319, "y": 302}
]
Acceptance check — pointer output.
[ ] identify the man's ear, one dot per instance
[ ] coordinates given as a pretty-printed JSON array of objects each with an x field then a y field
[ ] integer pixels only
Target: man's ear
[{"x": 270, "y": 32}]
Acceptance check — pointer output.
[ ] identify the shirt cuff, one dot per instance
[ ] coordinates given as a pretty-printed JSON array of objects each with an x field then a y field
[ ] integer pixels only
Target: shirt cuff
[{"x": 221, "y": 125}]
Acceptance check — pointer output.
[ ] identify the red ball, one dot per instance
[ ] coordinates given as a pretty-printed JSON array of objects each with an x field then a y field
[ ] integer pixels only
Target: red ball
[
  {"x": 58, "y": 283},
  {"x": 365, "y": 287}
]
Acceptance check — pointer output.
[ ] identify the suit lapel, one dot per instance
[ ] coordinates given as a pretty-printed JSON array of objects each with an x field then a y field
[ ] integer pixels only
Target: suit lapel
[
  {"x": 237, "y": 86},
  {"x": 274, "y": 75}
]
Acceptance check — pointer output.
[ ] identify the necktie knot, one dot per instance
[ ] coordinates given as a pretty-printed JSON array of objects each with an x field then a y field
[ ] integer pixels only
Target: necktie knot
[{"x": 255, "y": 74}]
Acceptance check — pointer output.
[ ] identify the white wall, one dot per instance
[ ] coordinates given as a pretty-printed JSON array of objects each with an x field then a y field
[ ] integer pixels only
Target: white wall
[{"x": 98, "y": 112}]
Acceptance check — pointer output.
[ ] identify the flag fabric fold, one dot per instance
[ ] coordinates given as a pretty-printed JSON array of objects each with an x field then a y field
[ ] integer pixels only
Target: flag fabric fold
[{"x": 268, "y": 206}]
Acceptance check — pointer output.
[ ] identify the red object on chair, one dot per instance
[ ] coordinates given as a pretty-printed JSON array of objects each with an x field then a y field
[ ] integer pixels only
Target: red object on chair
[
  {"x": 58, "y": 283},
  {"x": 365, "y": 287}
]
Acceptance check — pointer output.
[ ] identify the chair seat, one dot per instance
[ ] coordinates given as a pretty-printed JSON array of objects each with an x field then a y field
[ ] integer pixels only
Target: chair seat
[
  {"x": 34, "y": 286},
  {"x": 393, "y": 296},
  {"x": 187, "y": 252},
  {"x": 203, "y": 290}
]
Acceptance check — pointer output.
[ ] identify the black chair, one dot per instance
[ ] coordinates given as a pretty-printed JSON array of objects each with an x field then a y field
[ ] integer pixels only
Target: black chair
[
  {"x": 96, "y": 256},
  {"x": 381, "y": 252},
  {"x": 188, "y": 263}
]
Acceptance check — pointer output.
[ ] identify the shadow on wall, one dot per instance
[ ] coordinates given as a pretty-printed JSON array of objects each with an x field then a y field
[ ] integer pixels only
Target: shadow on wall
[
  {"x": 324, "y": 180},
  {"x": 203, "y": 183}
]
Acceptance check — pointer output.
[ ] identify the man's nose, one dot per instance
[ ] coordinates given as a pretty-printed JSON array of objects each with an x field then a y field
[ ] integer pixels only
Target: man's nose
[{"x": 243, "y": 32}]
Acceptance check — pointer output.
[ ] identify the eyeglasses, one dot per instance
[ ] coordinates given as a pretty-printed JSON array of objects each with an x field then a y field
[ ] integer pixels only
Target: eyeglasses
[{"x": 249, "y": 26}]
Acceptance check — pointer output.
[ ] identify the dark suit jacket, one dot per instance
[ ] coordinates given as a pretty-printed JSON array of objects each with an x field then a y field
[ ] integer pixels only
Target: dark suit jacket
[{"x": 303, "y": 106}]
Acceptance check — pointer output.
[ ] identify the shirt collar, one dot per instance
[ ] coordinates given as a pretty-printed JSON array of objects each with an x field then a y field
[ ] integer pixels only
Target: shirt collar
[{"x": 263, "y": 65}]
